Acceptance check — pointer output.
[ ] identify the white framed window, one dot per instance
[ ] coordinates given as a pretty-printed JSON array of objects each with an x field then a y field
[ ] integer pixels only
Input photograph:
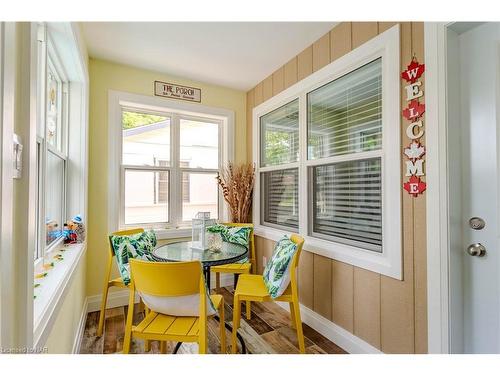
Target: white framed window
[
  {"x": 168, "y": 155},
  {"x": 52, "y": 148},
  {"x": 327, "y": 152}
]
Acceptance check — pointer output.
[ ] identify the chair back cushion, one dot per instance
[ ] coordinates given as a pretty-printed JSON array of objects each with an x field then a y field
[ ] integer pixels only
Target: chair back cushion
[
  {"x": 239, "y": 235},
  {"x": 138, "y": 246},
  {"x": 171, "y": 288},
  {"x": 277, "y": 272}
]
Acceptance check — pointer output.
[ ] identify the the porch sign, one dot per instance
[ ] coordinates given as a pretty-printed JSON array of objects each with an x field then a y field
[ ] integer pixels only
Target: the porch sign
[
  {"x": 415, "y": 129},
  {"x": 173, "y": 91}
]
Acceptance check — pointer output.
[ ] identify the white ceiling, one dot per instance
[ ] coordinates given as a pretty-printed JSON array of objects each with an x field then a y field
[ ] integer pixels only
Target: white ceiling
[{"x": 236, "y": 55}]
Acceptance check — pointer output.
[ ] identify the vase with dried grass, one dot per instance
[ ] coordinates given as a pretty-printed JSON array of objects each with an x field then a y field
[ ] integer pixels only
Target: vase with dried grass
[{"x": 236, "y": 182}]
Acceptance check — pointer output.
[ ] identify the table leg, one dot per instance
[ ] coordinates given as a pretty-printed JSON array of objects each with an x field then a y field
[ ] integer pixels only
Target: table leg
[
  {"x": 206, "y": 271},
  {"x": 240, "y": 338}
]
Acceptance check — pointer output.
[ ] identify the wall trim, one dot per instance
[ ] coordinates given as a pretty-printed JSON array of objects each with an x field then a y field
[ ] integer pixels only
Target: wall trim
[
  {"x": 119, "y": 297},
  {"x": 343, "y": 338},
  {"x": 81, "y": 328}
]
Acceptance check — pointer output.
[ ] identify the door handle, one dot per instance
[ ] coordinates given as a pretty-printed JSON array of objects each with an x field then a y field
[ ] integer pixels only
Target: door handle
[{"x": 476, "y": 250}]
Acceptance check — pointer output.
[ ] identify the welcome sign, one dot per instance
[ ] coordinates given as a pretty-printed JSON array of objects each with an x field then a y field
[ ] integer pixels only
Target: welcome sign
[{"x": 173, "y": 91}]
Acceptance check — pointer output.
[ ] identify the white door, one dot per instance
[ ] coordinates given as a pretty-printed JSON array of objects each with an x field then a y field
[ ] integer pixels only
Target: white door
[{"x": 474, "y": 161}]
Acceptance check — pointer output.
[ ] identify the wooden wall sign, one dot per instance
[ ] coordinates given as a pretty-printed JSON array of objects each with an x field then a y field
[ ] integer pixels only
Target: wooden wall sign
[
  {"x": 415, "y": 129},
  {"x": 173, "y": 91}
]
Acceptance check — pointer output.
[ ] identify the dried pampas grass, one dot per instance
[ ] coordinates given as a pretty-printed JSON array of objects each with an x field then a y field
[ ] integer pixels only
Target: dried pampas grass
[{"x": 236, "y": 182}]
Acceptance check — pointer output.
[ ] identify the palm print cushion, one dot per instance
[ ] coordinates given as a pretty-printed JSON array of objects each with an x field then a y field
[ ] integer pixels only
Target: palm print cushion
[
  {"x": 237, "y": 235},
  {"x": 137, "y": 246},
  {"x": 277, "y": 272}
]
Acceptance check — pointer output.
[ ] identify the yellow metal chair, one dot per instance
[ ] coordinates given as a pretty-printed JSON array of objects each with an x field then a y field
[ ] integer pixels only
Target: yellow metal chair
[
  {"x": 238, "y": 268},
  {"x": 118, "y": 282},
  {"x": 174, "y": 279},
  {"x": 252, "y": 288}
]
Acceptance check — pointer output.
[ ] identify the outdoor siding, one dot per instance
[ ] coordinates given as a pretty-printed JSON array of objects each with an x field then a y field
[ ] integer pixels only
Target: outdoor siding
[{"x": 389, "y": 314}]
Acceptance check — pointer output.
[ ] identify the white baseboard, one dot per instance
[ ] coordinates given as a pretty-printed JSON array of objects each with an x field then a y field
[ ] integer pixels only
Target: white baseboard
[
  {"x": 345, "y": 339},
  {"x": 81, "y": 328},
  {"x": 120, "y": 297}
]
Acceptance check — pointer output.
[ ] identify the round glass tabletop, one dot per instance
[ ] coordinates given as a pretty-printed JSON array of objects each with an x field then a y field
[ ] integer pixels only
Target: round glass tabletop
[{"x": 183, "y": 252}]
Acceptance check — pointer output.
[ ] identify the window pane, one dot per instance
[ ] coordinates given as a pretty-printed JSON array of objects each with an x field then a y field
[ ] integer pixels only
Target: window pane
[
  {"x": 347, "y": 202},
  {"x": 54, "y": 109},
  {"x": 345, "y": 116},
  {"x": 280, "y": 135},
  {"x": 146, "y": 197},
  {"x": 199, "y": 193},
  {"x": 54, "y": 195},
  {"x": 146, "y": 139},
  {"x": 280, "y": 197},
  {"x": 199, "y": 144}
]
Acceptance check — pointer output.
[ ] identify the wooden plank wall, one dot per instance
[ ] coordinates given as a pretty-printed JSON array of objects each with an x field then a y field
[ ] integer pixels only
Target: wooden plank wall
[{"x": 387, "y": 313}]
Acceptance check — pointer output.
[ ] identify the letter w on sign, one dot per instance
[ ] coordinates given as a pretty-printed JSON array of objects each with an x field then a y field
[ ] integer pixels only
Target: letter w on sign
[{"x": 413, "y": 72}]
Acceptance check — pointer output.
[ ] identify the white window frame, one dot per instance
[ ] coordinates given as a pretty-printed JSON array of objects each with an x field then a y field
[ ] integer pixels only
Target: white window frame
[
  {"x": 49, "y": 56},
  {"x": 389, "y": 261},
  {"x": 117, "y": 101}
]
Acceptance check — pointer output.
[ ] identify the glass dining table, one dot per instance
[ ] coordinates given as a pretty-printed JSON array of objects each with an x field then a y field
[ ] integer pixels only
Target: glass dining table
[{"x": 183, "y": 252}]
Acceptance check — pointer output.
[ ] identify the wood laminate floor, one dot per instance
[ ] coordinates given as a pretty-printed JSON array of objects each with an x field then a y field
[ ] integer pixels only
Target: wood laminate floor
[{"x": 269, "y": 331}]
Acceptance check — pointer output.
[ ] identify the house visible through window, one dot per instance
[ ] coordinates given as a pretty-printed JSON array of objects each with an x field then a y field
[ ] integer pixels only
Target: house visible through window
[{"x": 169, "y": 165}]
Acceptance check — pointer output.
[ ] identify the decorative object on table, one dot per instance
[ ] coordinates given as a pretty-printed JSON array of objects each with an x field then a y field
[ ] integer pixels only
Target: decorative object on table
[
  {"x": 69, "y": 233},
  {"x": 200, "y": 224},
  {"x": 236, "y": 182},
  {"x": 79, "y": 228}
]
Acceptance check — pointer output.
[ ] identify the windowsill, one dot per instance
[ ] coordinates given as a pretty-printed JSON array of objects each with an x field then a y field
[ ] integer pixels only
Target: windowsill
[
  {"x": 168, "y": 234},
  {"x": 370, "y": 260},
  {"x": 52, "y": 290}
]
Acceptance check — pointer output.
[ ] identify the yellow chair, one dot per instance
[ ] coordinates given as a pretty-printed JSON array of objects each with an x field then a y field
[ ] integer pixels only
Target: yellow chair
[
  {"x": 173, "y": 279},
  {"x": 118, "y": 282},
  {"x": 252, "y": 288},
  {"x": 238, "y": 268}
]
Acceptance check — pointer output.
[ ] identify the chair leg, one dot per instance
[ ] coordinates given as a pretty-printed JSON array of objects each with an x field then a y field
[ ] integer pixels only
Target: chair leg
[
  {"x": 103, "y": 311},
  {"x": 223, "y": 347},
  {"x": 147, "y": 346},
  {"x": 163, "y": 347},
  {"x": 236, "y": 323},
  {"x": 298, "y": 326},
  {"x": 128, "y": 326},
  {"x": 249, "y": 311},
  {"x": 217, "y": 281},
  {"x": 292, "y": 315}
]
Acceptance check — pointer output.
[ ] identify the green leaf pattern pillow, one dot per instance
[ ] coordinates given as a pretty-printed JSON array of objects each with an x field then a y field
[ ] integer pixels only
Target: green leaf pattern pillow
[
  {"x": 237, "y": 235},
  {"x": 277, "y": 272},
  {"x": 138, "y": 246}
]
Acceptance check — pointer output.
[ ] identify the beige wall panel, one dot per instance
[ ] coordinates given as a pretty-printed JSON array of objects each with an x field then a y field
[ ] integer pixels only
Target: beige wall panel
[
  {"x": 304, "y": 63},
  {"x": 367, "y": 306},
  {"x": 397, "y": 300},
  {"x": 322, "y": 296},
  {"x": 263, "y": 248},
  {"x": 278, "y": 80},
  {"x": 267, "y": 88},
  {"x": 306, "y": 281},
  {"x": 321, "y": 52},
  {"x": 258, "y": 94},
  {"x": 363, "y": 32},
  {"x": 340, "y": 40},
  {"x": 250, "y": 105},
  {"x": 290, "y": 73},
  {"x": 343, "y": 295},
  {"x": 419, "y": 229},
  {"x": 383, "y": 26}
]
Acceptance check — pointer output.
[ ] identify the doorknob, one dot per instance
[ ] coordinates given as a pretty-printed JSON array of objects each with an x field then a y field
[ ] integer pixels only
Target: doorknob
[{"x": 476, "y": 250}]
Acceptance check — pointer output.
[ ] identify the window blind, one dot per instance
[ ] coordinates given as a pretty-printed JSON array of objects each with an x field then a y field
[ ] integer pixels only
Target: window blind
[
  {"x": 345, "y": 115},
  {"x": 348, "y": 202},
  {"x": 280, "y": 198},
  {"x": 280, "y": 135}
]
